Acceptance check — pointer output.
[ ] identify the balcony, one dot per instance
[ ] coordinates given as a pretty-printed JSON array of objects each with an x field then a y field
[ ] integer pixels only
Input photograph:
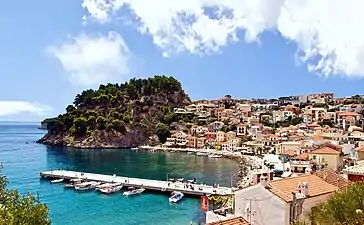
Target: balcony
[{"x": 299, "y": 163}]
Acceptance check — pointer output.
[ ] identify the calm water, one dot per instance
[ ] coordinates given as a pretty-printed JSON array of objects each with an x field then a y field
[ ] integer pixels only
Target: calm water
[{"x": 23, "y": 162}]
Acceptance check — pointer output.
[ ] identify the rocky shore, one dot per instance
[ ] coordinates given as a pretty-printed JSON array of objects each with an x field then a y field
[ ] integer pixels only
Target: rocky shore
[{"x": 98, "y": 139}]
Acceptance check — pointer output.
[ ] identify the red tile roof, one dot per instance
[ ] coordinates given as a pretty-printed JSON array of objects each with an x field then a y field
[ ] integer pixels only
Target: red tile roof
[
  {"x": 316, "y": 186},
  {"x": 233, "y": 221},
  {"x": 302, "y": 156},
  {"x": 325, "y": 150},
  {"x": 333, "y": 178}
]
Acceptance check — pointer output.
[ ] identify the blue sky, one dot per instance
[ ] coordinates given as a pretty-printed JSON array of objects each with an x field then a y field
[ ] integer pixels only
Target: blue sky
[{"x": 52, "y": 50}]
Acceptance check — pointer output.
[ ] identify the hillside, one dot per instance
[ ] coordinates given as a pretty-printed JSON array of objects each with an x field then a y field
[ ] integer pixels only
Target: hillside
[{"x": 117, "y": 115}]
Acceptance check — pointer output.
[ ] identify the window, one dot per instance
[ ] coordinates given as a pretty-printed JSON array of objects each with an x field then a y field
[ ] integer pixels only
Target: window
[{"x": 314, "y": 157}]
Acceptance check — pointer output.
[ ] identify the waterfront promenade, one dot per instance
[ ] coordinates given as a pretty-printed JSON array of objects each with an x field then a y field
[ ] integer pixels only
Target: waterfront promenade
[
  {"x": 156, "y": 185},
  {"x": 226, "y": 154}
]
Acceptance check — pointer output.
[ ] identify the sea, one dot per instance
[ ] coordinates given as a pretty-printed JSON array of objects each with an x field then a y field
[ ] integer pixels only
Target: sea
[{"x": 23, "y": 160}]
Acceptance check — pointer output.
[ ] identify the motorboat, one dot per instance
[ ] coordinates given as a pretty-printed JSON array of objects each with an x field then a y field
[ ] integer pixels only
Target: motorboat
[
  {"x": 215, "y": 156},
  {"x": 176, "y": 197},
  {"x": 57, "y": 181},
  {"x": 134, "y": 192},
  {"x": 201, "y": 153},
  {"x": 104, "y": 185},
  {"x": 77, "y": 180},
  {"x": 111, "y": 189},
  {"x": 86, "y": 185},
  {"x": 72, "y": 183},
  {"x": 69, "y": 185}
]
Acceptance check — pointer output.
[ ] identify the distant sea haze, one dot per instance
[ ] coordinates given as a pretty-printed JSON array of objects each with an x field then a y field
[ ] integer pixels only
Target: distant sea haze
[{"x": 23, "y": 160}]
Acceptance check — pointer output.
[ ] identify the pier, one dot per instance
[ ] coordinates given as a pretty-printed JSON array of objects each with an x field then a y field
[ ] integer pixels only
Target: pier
[{"x": 155, "y": 185}]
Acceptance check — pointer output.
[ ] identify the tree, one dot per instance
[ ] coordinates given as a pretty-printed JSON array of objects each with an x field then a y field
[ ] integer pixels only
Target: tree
[
  {"x": 16, "y": 209},
  {"x": 163, "y": 132},
  {"x": 344, "y": 207}
]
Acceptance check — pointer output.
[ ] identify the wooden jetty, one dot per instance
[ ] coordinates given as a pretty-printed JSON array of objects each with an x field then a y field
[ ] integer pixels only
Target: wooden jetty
[{"x": 155, "y": 185}]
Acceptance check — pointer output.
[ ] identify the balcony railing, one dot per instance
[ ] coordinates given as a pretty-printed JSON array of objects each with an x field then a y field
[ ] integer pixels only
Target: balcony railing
[{"x": 296, "y": 162}]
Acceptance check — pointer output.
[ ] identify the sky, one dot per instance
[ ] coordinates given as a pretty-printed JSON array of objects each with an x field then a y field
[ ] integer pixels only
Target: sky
[{"x": 52, "y": 50}]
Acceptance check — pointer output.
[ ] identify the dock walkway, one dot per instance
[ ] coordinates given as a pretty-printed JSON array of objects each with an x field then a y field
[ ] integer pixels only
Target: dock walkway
[{"x": 157, "y": 185}]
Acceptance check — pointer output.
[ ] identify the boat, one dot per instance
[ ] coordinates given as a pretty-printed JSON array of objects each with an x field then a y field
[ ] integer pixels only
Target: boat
[
  {"x": 215, "y": 156},
  {"x": 134, "y": 192},
  {"x": 86, "y": 185},
  {"x": 111, "y": 189},
  {"x": 69, "y": 185},
  {"x": 201, "y": 153},
  {"x": 180, "y": 179},
  {"x": 77, "y": 180},
  {"x": 176, "y": 197},
  {"x": 57, "y": 181},
  {"x": 107, "y": 185}
]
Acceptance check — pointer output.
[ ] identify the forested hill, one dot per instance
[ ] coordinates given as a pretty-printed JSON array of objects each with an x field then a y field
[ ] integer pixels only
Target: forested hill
[{"x": 116, "y": 115}]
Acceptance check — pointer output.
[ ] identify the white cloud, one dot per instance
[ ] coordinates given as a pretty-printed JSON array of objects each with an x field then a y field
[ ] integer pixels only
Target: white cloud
[
  {"x": 91, "y": 60},
  {"x": 327, "y": 32},
  {"x": 16, "y": 107}
]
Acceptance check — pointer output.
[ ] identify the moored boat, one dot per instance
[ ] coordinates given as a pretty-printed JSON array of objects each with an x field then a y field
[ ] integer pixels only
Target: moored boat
[
  {"x": 201, "y": 153},
  {"x": 69, "y": 185},
  {"x": 57, "y": 181},
  {"x": 176, "y": 197},
  {"x": 215, "y": 156},
  {"x": 111, "y": 189},
  {"x": 86, "y": 185},
  {"x": 134, "y": 192}
]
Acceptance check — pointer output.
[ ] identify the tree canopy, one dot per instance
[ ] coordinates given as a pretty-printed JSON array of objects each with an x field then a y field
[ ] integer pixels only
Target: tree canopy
[
  {"x": 116, "y": 106},
  {"x": 16, "y": 209},
  {"x": 344, "y": 207}
]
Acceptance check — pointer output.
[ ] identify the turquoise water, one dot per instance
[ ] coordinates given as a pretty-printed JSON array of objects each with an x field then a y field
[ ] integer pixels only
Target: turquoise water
[{"x": 23, "y": 160}]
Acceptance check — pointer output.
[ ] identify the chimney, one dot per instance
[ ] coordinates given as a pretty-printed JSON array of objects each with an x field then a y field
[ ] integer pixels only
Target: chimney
[
  {"x": 303, "y": 187},
  {"x": 263, "y": 180}
]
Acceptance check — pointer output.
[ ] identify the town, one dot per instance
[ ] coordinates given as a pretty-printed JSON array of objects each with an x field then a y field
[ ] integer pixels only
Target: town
[{"x": 309, "y": 147}]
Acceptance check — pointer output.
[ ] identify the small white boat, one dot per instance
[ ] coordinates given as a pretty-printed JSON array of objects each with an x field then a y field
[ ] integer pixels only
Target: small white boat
[
  {"x": 134, "y": 192},
  {"x": 111, "y": 189},
  {"x": 86, "y": 185},
  {"x": 201, "y": 153},
  {"x": 215, "y": 156},
  {"x": 69, "y": 185},
  {"x": 77, "y": 180},
  {"x": 82, "y": 188},
  {"x": 176, "y": 197},
  {"x": 57, "y": 181}
]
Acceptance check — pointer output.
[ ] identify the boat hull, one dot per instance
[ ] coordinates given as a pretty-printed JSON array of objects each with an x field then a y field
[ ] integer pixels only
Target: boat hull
[{"x": 135, "y": 192}]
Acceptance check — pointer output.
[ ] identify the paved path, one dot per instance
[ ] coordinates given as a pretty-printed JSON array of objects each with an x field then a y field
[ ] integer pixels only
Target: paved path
[{"x": 158, "y": 185}]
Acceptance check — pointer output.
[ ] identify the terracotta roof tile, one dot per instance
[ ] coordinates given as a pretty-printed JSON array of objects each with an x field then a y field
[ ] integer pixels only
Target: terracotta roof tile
[
  {"x": 360, "y": 149},
  {"x": 333, "y": 146},
  {"x": 333, "y": 178},
  {"x": 302, "y": 156},
  {"x": 290, "y": 152},
  {"x": 325, "y": 150},
  {"x": 233, "y": 221},
  {"x": 316, "y": 186}
]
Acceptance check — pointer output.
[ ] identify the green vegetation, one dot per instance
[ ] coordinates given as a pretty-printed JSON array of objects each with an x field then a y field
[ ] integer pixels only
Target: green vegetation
[
  {"x": 344, "y": 207},
  {"x": 20, "y": 210},
  {"x": 137, "y": 104}
]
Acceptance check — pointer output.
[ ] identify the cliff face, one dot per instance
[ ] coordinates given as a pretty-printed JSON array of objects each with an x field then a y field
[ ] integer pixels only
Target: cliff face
[{"x": 117, "y": 116}]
